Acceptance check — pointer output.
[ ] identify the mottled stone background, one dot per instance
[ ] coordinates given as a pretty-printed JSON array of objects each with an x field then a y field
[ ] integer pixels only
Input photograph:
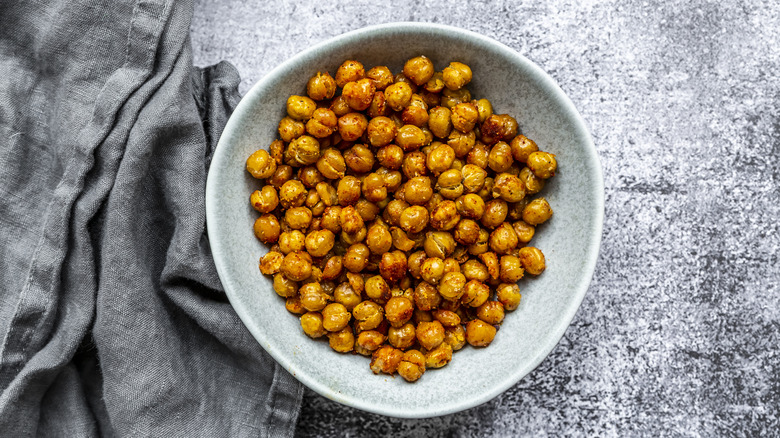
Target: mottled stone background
[{"x": 680, "y": 329}]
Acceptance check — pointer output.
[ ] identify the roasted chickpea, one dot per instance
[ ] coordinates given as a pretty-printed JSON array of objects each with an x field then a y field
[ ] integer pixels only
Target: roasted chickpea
[
  {"x": 386, "y": 360},
  {"x": 447, "y": 318},
  {"x": 542, "y": 164},
  {"x": 481, "y": 246},
  {"x": 449, "y": 184},
  {"x": 348, "y": 190},
  {"x": 313, "y": 297},
  {"x": 426, "y": 297},
  {"x": 393, "y": 266},
  {"x": 381, "y": 132},
  {"x": 331, "y": 164},
  {"x": 302, "y": 151},
  {"x": 474, "y": 270},
  {"x": 485, "y": 109},
  {"x": 398, "y": 311},
  {"x": 522, "y": 147},
  {"x": 414, "y": 219},
  {"x": 440, "y": 121},
  {"x": 319, "y": 243},
  {"x": 432, "y": 270},
  {"x": 271, "y": 263},
  {"x": 390, "y": 156},
  {"x": 503, "y": 239},
  {"x": 418, "y": 191},
  {"x": 342, "y": 341},
  {"x": 492, "y": 312},
  {"x": 339, "y": 106},
  {"x": 332, "y": 268},
  {"x": 450, "y": 98},
  {"x": 378, "y": 107},
  {"x": 439, "y": 244},
  {"x": 537, "y": 211},
  {"x": 290, "y": 241},
  {"x": 470, "y": 206},
  {"x": 292, "y": 194},
  {"x": 419, "y": 69},
  {"x": 456, "y": 75},
  {"x": 351, "y": 221},
  {"x": 311, "y": 323},
  {"x": 300, "y": 107},
  {"x": 298, "y": 218},
  {"x": 296, "y": 266},
  {"x": 464, "y": 116},
  {"x": 331, "y": 219},
  {"x": 466, "y": 232},
  {"x": 495, "y": 213},
  {"x": 452, "y": 286},
  {"x": 475, "y": 293},
  {"x": 369, "y": 341},
  {"x": 368, "y": 315},
  {"x": 524, "y": 231},
  {"x": 356, "y": 257},
  {"x": 410, "y": 138},
  {"x": 293, "y": 305},
  {"x": 323, "y": 122},
  {"x": 532, "y": 260},
  {"x": 479, "y": 155},
  {"x": 335, "y": 317},
  {"x": 401, "y": 337},
  {"x": 412, "y": 366},
  {"x": 264, "y": 200},
  {"x": 290, "y": 129},
  {"x": 349, "y": 71},
  {"x": 508, "y": 187},
  {"x": 461, "y": 143},
  {"x": 398, "y": 95},
  {"x": 532, "y": 183},
  {"x": 285, "y": 287},
  {"x": 260, "y": 164},
  {"x": 359, "y": 159},
  {"x": 454, "y": 337},
  {"x": 378, "y": 239},
  {"x": 393, "y": 210},
  {"x": 351, "y": 126},
  {"x": 445, "y": 216},
  {"x": 267, "y": 228},
  {"x": 414, "y": 164},
  {"x": 359, "y": 94},
  {"x": 321, "y": 86},
  {"x": 440, "y": 158},
  {"x": 508, "y": 295},
  {"x": 416, "y": 113},
  {"x": 381, "y": 76},
  {"x": 473, "y": 178},
  {"x": 490, "y": 260},
  {"x": 500, "y": 158},
  {"x": 511, "y": 269},
  {"x": 479, "y": 333},
  {"x": 430, "y": 334}
]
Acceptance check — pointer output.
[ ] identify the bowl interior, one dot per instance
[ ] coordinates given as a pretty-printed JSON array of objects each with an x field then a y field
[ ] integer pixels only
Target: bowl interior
[{"x": 570, "y": 240}]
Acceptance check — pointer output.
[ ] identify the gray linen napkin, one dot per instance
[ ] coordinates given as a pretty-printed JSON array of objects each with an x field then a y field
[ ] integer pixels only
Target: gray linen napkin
[{"x": 112, "y": 317}]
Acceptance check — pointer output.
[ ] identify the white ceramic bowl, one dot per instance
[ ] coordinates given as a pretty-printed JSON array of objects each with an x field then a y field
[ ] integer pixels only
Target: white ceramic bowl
[{"x": 570, "y": 240}]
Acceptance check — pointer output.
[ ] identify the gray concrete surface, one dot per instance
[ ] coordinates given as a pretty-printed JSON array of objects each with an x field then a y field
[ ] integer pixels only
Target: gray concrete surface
[{"x": 679, "y": 332}]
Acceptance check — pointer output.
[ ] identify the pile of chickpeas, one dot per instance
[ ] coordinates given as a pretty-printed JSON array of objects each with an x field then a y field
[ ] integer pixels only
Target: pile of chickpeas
[{"x": 399, "y": 213}]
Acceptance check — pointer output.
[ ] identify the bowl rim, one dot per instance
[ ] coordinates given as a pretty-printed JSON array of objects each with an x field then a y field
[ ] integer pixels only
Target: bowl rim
[{"x": 559, "y": 329}]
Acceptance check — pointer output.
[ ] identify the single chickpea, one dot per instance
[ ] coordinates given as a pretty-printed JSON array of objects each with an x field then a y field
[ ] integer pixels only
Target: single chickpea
[
  {"x": 351, "y": 221},
  {"x": 542, "y": 164},
  {"x": 508, "y": 295},
  {"x": 511, "y": 269},
  {"x": 410, "y": 138},
  {"x": 386, "y": 360},
  {"x": 445, "y": 216},
  {"x": 473, "y": 178},
  {"x": 432, "y": 270},
  {"x": 293, "y": 305},
  {"x": 485, "y": 109},
  {"x": 290, "y": 241},
  {"x": 276, "y": 151},
  {"x": 331, "y": 164},
  {"x": 331, "y": 219},
  {"x": 416, "y": 113},
  {"x": 398, "y": 95},
  {"x": 412, "y": 366},
  {"x": 319, "y": 243},
  {"x": 378, "y": 107},
  {"x": 300, "y": 107},
  {"x": 351, "y": 126},
  {"x": 456, "y": 75},
  {"x": 271, "y": 263},
  {"x": 311, "y": 323},
  {"x": 289, "y": 129},
  {"x": 440, "y": 121},
  {"x": 335, "y": 317},
  {"x": 264, "y": 200},
  {"x": 398, "y": 311},
  {"x": 439, "y": 244},
  {"x": 381, "y": 132},
  {"x": 356, "y": 258},
  {"x": 430, "y": 334},
  {"x": 414, "y": 164},
  {"x": 470, "y": 206},
  {"x": 490, "y": 261},
  {"x": 321, "y": 86},
  {"x": 313, "y": 297},
  {"x": 393, "y": 210},
  {"x": 414, "y": 219},
  {"x": 532, "y": 183},
  {"x": 452, "y": 286},
  {"x": 333, "y": 268},
  {"x": 440, "y": 158},
  {"x": 481, "y": 246},
  {"x": 379, "y": 240},
  {"x": 418, "y": 190},
  {"x": 419, "y": 69},
  {"x": 368, "y": 315},
  {"x": 508, "y": 187},
  {"x": 302, "y": 151},
  {"x": 464, "y": 116},
  {"x": 503, "y": 239},
  {"x": 524, "y": 231},
  {"x": 348, "y": 190},
  {"x": 475, "y": 293},
  {"x": 359, "y": 159},
  {"x": 447, "y": 318},
  {"x": 310, "y": 177},
  {"x": 359, "y": 94},
  {"x": 292, "y": 194},
  {"x": 339, "y": 106},
  {"x": 449, "y": 184},
  {"x": 500, "y": 157},
  {"x": 426, "y": 297},
  {"x": 532, "y": 260},
  {"x": 284, "y": 287},
  {"x": 479, "y": 333},
  {"x": 474, "y": 270},
  {"x": 522, "y": 147},
  {"x": 267, "y": 228},
  {"x": 450, "y": 98},
  {"x": 342, "y": 341},
  {"x": 322, "y": 123},
  {"x": 260, "y": 164},
  {"x": 492, "y": 312},
  {"x": 455, "y": 337},
  {"x": 393, "y": 266},
  {"x": 461, "y": 143},
  {"x": 390, "y": 156},
  {"x": 537, "y": 211},
  {"x": 478, "y": 155},
  {"x": 466, "y": 232},
  {"x": 296, "y": 266},
  {"x": 381, "y": 76},
  {"x": 495, "y": 213},
  {"x": 349, "y": 71},
  {"x": 369, "y": 341}
]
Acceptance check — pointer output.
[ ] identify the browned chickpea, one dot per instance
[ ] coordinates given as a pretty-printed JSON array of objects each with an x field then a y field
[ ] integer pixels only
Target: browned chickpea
[
  {"x": 452, "y": 286},
  {"x": 412, "y": 366},
  {"x": 342, "y": 341},
  {"x": 522, "y": 147},
  {"x": 508, "y": 187},
  {"x": 267, "y": 228},
  {"x": 532, "y": 260},
  {"x": 464, "y": 116},
  {"x": 431, "y": 99},
  {"x": 485, "y": 109},
  {"x": 271, "y": 263},
  {"x": 349, "y": 71},
  {"x": 335, "y": 317},
  {"x": 466, "y": 232},
  {"x": 351, "y": 126},
  {"x": 486, "y": 192},
  {"x": 524, "y": 231},
  {"x": 398, "y": 95},
  {"x": 368, "y": 342},
  {"x": 478, "y": 155},
  {"x": 302, "y": 151},
  {"x": 293, "y": 305},
  {"x": 323, "y": 122},
  {"x": 542, "y": 164},
  {"x": 475, "y": 293},
  {"x": 461, "y": 143},
  {"x": 492, "y": 312},
  {"x": 296, "y": 266},
  {"x": 419, "y": 69},
  {"x": 481, "y": 246},
  {"x": 386, "y": 360},
  {"x": 290, "y": 129},
  {"x": 537, "y": 211},
  {"x": 264, "y": 200},
  {"x": 490, "y": 260},
  {"x": 339, "y": 106},
  {"x": 381, "y": 132},
  {"x": 456, "y": 75},
  {"x": 495, "y": 213},
  {"x": 348, "y": 190},
  {"x": 351, "y": 221},
  {"x": 368, "y": 314},
  {"x": 379, "y": 240},
  {"x": 414, "y": 219},
  {"x": 321, "y": 86},
  {"x": 359, "y": 158},
  {"x": 416, "y": 113},
  {"x": 414, "y": 263},
  {"x": 440, "y": 121},
  {"x": 356, "y": 257},
  {"x": 290, "y": 241},
  {"x": 445, "y": 216},
  {"x": 390, "y": 156},
  {"x": 503, "y": 239},
  {"x": 511, "y": 269},
  {"x": 430, "y": 334},
  {"x": 311, "y": 323},
  {"x": 479, "y": 333},
  {"x": 401, "y": 337},
  {"x": 439, "y": 244},
  {"x": 426, "y": 297},
  {"x": 298, "y": 218},
  {"x": 508, "y": 295},
  {"x": 393, "y": 210},
  {"x": 292, "y": 194},
  {"x": 447, "y": 318},
  {"x": 285, "y": 287},
  {"x": 398, "y": 311},
  {"x": 500, "y": 158},
  {"x": 381, "y": 76},
  {"x": 470, "y": 206},
  {"x": 331, "y": 219},
  {"x": 474, "y": 270},
  {"x": 440, "y": 158},
  {"x": 260, "y": 164},
  {"x": 378, "y": 107},
  {"x": 473, "y": 178},
  {"x": 393, "y": 266},
  {"x": 313, "y": 297},
  {"x": 410, "y": 138},
  {"x": 449, "y": 184},
  {"x": 533, "y": 184},
  {"x": 418, "y": 190},
  {"x": 333, "y": 268},
  {"x": 414, "y": 164},
  {"x": 320, "y": 242},
  {"x": 359, "y": 94},
  {"x": 331, "y": 164},
  {"x": 310, "y": 177},
  {"x": 276, "y": 150},
  {"x": 300, "y": 107},
  {"x": 432, "y": 270},
  {"x": 450, "y": 98},
  {"x": 377, "y": 289}
]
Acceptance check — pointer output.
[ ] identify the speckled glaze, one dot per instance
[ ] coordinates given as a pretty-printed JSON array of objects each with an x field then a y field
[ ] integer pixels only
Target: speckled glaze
[{"x": 570, "y": 240}]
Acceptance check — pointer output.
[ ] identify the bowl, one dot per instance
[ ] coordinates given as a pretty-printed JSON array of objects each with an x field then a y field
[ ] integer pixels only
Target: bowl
[{"x": 570, "y": 240}]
